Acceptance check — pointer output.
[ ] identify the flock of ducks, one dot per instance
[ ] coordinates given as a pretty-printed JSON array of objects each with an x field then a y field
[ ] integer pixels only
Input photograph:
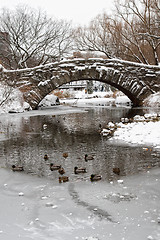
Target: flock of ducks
[{"x": 77, "y": 170}]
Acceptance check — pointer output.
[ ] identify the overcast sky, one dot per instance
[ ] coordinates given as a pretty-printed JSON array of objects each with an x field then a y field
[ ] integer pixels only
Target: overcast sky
[{"x": 78, "y": 11}]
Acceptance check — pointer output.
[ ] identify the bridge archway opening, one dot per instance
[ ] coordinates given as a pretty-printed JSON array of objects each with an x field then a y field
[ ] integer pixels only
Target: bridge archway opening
[
  {"x": 69, "y": 90},
  {"x": 108, "y": 84}
]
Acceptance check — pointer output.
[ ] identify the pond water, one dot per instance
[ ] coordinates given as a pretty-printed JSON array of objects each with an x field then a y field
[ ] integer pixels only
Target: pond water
[{"x": 26, "y": 138}]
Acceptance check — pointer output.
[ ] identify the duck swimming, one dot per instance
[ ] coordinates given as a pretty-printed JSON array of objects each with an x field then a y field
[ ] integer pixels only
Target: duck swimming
[
  {"x": 63, "y": 179},
  {"x": 95, "y": 177},
  {"x": 116, "y": 170},
  {"x": 54, "y": 167},
  {"x": 17, "y": 168},
  {"x": 88, "y": 157},
  {"x": 79, "y": 170},
  {"x": 45, "y": 157},
  {"x": 65, "y": 155},
  {"x": 61, "y": 171}
]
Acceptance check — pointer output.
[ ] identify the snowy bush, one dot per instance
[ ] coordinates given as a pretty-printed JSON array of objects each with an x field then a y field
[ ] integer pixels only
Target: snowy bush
[{"x": 11, "y": 100}]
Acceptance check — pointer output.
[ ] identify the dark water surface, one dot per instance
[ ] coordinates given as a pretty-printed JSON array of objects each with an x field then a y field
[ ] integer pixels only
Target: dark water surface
[{"x": 25, "y": 138}]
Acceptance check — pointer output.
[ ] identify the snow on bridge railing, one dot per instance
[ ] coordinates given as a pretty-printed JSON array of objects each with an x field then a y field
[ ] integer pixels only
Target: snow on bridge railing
[{"x": 77, "y": 61}]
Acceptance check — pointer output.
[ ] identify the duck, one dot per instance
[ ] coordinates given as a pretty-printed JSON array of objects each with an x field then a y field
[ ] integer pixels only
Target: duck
[
  {"x": 95, "y": 177},
  {"x": 63, "y": 179},
  {"x": 88, "y": 157},
  {"x": 45, "y": 157},
  {"x": 116, "y": 170},
  {"x": 17, "y": 168},
  {"x": 65, "y": 155},
  {"x": 54, "y": 167},
  {"x": 79, "y": 170},
  {"x": 61, "y": 171}
]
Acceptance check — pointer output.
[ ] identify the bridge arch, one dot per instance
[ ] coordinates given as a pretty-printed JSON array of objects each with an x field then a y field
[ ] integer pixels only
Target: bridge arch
[
  {"x": 133, "y": 99},
  {"x": 137, "y": 81}
]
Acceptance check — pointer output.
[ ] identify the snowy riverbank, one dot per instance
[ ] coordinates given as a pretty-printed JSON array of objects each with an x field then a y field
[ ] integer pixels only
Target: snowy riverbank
[{"x": 138, "y": 133}]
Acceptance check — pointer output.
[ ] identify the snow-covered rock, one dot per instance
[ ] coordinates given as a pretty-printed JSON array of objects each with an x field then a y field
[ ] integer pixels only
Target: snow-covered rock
[
  {"x": 123, "y": 100},
  {"x": 49, "y": 100},
  {"x": 153, "y": 100}
]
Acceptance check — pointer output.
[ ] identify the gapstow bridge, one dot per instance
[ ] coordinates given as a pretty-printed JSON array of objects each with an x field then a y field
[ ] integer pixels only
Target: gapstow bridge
[{"x": 135, "y": 80}]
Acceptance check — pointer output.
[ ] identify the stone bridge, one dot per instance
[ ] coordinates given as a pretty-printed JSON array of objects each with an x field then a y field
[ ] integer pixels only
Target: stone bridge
[{"x": 135, "y": 80}]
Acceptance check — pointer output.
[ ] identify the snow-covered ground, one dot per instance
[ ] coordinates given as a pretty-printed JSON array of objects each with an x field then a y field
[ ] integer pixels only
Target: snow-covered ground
[
  {"x": 142, "y": 132},
  {"x": 96, "y": 99}
]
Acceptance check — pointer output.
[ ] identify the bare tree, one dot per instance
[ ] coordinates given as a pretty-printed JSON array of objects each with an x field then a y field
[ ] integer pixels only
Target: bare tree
[
  {"x": 5, "y": 93},
  {"x": 34, "y": 38},
  {"x": 132, "y": 33},
  {"x": 6, "y": 87},
  {"x": 140, "y": 33},
  {"x": 96, "y": 37}
]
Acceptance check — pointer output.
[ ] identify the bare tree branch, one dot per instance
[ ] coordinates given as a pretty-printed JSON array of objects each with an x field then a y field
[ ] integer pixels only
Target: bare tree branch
[{"x": 33, "y": 37}]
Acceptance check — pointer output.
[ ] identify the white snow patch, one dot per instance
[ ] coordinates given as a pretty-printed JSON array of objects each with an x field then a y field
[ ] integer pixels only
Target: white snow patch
[
  {"x": 43, "y": 83},
  {"x": 153, "y": 100},
  {"x": 139, "y": 133},
  {"x": 123, "y": 100},
  {"x": 96, "y": 99}
]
